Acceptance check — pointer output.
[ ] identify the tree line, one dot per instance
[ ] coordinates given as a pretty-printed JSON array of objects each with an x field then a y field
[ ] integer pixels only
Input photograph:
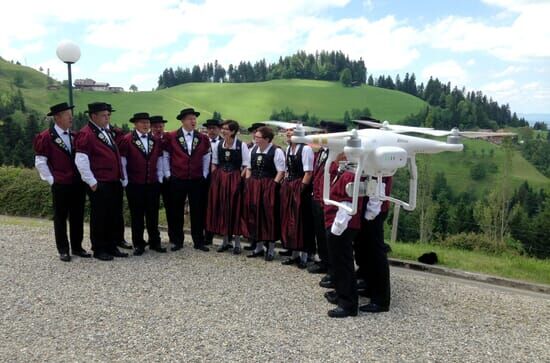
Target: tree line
[{"x": 324, "y": 65}]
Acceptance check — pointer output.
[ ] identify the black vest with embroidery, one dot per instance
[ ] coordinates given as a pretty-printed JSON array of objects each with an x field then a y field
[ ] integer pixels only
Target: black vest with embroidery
[
  {"x": 230, "y": 159},
  {"x": 294, "y": 166},
  {"x": 263, "y": 165}
]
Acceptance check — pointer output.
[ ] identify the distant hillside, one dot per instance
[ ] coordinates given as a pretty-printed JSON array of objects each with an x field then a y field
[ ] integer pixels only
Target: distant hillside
[{"x": 245, "y": 102}]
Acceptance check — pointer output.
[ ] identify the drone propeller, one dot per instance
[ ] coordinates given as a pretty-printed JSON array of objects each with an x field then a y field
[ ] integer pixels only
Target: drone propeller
[
  {"x": 291, "y": 125},
  {"x": 455, "y": 132}
]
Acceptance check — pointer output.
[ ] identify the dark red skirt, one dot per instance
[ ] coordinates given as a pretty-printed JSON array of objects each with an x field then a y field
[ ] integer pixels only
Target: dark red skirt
[
  {"x": 261, "y": 209},
  {"x": 223, "y": 215},
  {"x": 296, "y": 216}
]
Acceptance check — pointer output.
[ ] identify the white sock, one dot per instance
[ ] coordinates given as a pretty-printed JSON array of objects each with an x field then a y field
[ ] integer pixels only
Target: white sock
[
  {"x": 225, "y": 241},
  {"x": 237, "y": 241},
  {"x": 271, "y": 249},
  {"x": 259, "y": 247}
]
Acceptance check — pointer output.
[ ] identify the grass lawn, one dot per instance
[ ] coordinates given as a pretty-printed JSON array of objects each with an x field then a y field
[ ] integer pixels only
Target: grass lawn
[{"x": 505, "y": 265}]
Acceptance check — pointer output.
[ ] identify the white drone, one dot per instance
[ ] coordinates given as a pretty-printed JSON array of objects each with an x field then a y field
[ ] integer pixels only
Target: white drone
[{"x": 378, "y": 152}]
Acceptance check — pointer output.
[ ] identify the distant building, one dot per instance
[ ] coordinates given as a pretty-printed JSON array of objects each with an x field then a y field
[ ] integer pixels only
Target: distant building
[{"x": 91, "y": 85}]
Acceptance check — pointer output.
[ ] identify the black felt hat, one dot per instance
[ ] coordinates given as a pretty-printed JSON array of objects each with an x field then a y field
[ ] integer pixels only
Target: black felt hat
[
  {"x": 98, "y": 107},
  {"x": 140, "y": 116},
  {"x": 212, "y": 122},
  {"x": 157, "y": 120},
  {"x": 255, "y": 126},
  {"x": 187, "y": 111},
  {"x": 59, "y": 108}
]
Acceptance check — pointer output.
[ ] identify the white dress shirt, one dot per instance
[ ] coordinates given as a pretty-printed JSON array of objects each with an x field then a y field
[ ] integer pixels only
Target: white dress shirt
[{"x": 245, "y": 153}]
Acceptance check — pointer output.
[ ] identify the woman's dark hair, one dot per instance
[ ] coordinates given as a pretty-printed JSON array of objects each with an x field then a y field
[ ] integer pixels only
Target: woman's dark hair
[
  {"x": 232, "y": 125},
  {"x": 266, "y": 132}
]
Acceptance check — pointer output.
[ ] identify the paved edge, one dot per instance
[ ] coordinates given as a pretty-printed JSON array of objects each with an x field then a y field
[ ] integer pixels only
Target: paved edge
[{"x": 472, "y": 276}]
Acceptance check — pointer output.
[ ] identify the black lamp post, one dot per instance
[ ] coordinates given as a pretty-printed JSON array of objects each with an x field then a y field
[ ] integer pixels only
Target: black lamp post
[{"x": 69, "y": 53}]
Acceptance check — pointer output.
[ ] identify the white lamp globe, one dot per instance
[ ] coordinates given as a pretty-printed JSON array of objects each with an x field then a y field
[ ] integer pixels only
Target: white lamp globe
[{"x": 68, "y": 52}]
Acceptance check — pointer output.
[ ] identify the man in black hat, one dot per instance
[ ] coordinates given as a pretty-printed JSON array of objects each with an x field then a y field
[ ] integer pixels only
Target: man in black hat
[
  {"x": 117, "y": 134},
  {"x": 213, "y": 133},
  {"x": 157, "y": 130},
  {"x": 322, "y": 266},
  {"x": 98, "y": 161},
  {"x": 54, "y": 160},
  {"x": 141, "y": 155},
  {"x": 188, "y": 156}
]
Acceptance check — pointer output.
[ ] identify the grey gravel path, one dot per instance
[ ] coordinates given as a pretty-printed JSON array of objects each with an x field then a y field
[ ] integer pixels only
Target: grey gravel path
[{"x": 195, "y": 306}]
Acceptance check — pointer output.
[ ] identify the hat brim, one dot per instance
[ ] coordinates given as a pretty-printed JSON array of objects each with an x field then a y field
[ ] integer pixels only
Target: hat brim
[
  {"x": 213, "y": 125},
  {"x": 159, "y": 122},
  {"x": 133, "y": 120},
  {"x": 181, "y": 116},
  {"x": 58, "y": 111}
]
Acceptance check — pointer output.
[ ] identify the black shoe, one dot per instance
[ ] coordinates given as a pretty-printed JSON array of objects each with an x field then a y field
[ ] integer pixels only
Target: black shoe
[
  {"x": 302, "y": 265},
  {"x": 157, "y": 248},
  {"x": 125, "y": 245},
  {"x": 290, "y": 261},
  {"x": 327, "y": 284},
  {"x": 116, "y": 253},
  {"x": 341, "y": 312},
  {"x": 286, "y": 253},
  {"x": 256, "y": 254},
  {"x": 317, "y": 269},
  {"x": 250, "y": 247},
  {"x": 331, "y": 297},
  {"x": 176, "y": 247},
  {"x": 82, "y": 253},
  {"x": 138, "y": 251},
  {"x": 373, "y": 308},
  {"x": 269, "y": 257},
  {"x": 65, "y": 257},
  {"x": 208, "y": 242},
  {"x": 237, "y": 251},
  {"x": 202, "y": 248},
  {"x": 224, "y": 248},
  {"x": 103, "y": 256}
]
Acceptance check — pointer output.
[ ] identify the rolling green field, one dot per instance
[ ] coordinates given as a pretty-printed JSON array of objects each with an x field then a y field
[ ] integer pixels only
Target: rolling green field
[
  {"x": 244, "y": 102},
  {"x": 250, "y": 102}
]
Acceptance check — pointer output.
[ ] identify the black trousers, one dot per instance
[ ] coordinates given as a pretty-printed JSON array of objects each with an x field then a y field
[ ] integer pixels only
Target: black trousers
[
  {"x": 165, "y": 192},
  {"x": 119, "y": 237},
  {"x": 372, "y": 259},
  {"x": 68, "y": 203},
  {"x": 144, "y": 203},
  {"x": 208, "y": 236},
  {"x": 180, "y": 191},
  {"x": 320, "y": 232},
  {"x": 105, "y": 216},
  {"x": 343, "y": 269}
]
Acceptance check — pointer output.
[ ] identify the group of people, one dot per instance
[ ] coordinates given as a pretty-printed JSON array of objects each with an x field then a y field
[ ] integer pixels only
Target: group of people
[{"x": 258, "y": 190}]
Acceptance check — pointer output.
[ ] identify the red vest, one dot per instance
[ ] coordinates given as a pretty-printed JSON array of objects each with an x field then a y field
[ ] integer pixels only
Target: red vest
[
  {"x": 141, "y": 166},
  {"x": 319, "y": 174},
  {"x": 60, "y": 160},
  {"x": 338, "y": 193},
  {"x": 185, "y": 164},
  {"x": 104, "y": 158}
]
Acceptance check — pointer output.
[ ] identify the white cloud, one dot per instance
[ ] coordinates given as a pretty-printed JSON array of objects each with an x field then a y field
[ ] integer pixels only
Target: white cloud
[
  {"x": 471, "y": 62},
  {"x": 510, "y": 70},
  {"x": 447, "y": 71},
  {"x": 58, "y": 69},
  {"x": 524, "y": 38},
  {"x": 126, "y": 62},
  {"x": 196, "y": 52},
  {"x": 511, "y": 92}
]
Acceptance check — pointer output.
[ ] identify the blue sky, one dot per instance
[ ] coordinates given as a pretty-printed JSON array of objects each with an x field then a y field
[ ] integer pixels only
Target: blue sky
[{"x": 498, "y": 46}]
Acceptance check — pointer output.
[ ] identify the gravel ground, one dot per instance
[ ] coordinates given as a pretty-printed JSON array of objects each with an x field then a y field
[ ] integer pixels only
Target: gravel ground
[{"x": 195, "y": 306}]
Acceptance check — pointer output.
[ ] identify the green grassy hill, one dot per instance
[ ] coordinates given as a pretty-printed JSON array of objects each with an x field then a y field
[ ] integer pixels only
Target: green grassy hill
[
  {"x": 250, "y": 102},
  {"x": 244, "y": 102}
]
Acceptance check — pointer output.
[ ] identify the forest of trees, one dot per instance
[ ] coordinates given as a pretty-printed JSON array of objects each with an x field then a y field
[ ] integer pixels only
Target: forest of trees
[{"x": 326, "y": 66}]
